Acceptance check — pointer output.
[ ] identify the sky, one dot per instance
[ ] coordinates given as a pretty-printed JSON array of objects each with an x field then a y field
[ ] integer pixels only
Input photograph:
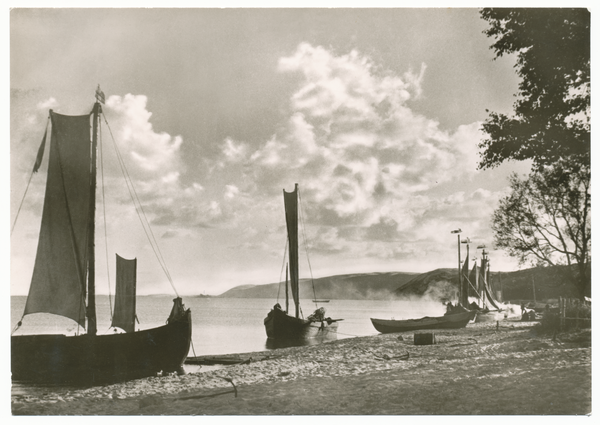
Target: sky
[{"x": 375, "y": 113}]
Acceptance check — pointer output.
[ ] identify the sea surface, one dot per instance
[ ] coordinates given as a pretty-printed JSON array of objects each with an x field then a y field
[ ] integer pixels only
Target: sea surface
[{"x": 227, "y": 325}]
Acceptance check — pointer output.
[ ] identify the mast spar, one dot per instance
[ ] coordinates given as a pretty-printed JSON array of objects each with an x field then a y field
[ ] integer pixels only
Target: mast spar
[{"x": 91, "y": 307}]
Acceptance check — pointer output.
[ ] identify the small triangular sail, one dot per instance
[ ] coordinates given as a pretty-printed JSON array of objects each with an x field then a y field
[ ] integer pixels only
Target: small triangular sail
[
  {"x": 290, "y": 200},
  {"x": 58, "y": 284},
  {"x": 124, "y": 316}
]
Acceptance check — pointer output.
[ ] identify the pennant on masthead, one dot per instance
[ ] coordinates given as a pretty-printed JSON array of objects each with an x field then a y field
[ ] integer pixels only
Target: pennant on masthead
[{"x": 100, "y": 95}]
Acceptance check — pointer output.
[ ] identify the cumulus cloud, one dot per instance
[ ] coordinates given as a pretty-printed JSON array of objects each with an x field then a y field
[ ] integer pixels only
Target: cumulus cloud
[
  {"x": 353, "y": 142},
  {"x": 149, "y": 151},
  {"x": 367, "y": 164},
  {"x": 154, "y": 164}
]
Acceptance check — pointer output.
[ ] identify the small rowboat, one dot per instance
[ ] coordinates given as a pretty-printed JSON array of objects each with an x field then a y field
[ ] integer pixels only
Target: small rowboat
[{"x": 449, "y": 321}]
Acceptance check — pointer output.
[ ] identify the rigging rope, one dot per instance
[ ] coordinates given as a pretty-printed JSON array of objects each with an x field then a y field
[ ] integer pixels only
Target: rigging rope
[
  {"x": 21, "y": 204},
  {"x": 282, "y": 265},
  {"x": 104, "y": 217},
  {"x": 134, "y": 197},
  {"x": 306, "y": 247},
  {"x": 193, "y": 350}
]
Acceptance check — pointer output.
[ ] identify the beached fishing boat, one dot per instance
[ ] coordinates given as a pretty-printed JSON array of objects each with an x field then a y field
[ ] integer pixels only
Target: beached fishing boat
[
  {"x": 279, "y": 324},
  {"x": 448, "y": 321},
  {"x": 479, "y": 285},
  {"x": 64, "y": 275}
]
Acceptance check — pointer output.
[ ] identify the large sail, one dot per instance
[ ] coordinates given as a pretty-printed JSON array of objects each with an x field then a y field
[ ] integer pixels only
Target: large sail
[
  {"x": 58, "y": 281},
  {"x": 124, "y": 316},
  {"x": 290, "y": 201}
]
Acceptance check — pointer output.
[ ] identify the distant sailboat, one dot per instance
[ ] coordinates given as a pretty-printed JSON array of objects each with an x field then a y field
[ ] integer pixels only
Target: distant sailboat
[
  {"x": 64, "y": 274},
  {"x": 279, "y": 325}
]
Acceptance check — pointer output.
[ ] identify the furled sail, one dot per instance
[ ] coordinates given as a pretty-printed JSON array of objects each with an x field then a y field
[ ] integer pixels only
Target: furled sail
[
  {"x": 464, "y": 290},
  {"x": 124, "y": 316},
  {"x": 486, "y": 290},
  {"x": 58, "y": 281},
  {"x": 474, "y": 290},
  {"x": 290, "y": 201}
]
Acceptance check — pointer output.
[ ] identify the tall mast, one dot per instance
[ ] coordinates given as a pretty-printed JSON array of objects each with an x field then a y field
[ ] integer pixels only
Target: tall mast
[
  {"x": 460, "y": 288},
  {"x": 465, "y": 288},
  {"x": 294, "y": 260},
  {"x": 91, "y": 307}
]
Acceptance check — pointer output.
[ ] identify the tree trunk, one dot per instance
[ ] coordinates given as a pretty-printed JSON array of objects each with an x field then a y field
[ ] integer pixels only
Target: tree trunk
[{"x": 582, "y": 282}]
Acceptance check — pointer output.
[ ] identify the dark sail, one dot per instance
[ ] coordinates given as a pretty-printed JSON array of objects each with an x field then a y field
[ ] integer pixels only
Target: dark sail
[
  {"x": 291, "y": 218},
  {"x": 124, "y": 316},
  {"x": 58, "y": 281},
  {"x": 474, "y": 282}
]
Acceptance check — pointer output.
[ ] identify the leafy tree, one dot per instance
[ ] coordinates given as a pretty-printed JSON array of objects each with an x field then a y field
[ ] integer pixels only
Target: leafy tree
[
  {"x": 545, "y": 220},
  {"x": 551, "y": 120}
]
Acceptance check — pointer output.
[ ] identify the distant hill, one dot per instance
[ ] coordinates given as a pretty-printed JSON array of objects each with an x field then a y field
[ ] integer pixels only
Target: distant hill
[
  {"x": 359, "y": 286},
  {"x": 439, "y": 285},
  {"x": 549, "y": 283},
  {"x": 442, "y": 284}
]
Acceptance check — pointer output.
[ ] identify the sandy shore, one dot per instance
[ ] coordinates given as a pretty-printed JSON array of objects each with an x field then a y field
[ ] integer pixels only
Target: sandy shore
[{"x": 479, "y": 370}]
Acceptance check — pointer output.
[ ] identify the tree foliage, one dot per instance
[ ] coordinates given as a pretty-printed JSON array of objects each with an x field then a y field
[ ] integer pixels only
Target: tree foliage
[
  {"x": 545, "y": 220},
  {"x": 551, "y": 119}
]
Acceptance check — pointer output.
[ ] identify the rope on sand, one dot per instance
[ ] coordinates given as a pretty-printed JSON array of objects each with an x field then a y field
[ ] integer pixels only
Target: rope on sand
[
  {"x": 356, "y": 336},
  {"x": 157, "y": 400},
  {"x": 189, "y": 397}
]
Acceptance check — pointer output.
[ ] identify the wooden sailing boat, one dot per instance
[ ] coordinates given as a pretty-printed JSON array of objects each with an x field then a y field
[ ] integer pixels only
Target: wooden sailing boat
[
  {"x": 490, "y": 307},
  {"x": 278, "y": 323},
  {"x": 64, "y": 274}
]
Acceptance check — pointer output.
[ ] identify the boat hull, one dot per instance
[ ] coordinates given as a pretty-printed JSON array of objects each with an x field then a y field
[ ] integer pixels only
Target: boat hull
[
  {"x": 281, "y": 326},
  {"x": 100, "y": 359},
  {"x": 450, "y": 321}
]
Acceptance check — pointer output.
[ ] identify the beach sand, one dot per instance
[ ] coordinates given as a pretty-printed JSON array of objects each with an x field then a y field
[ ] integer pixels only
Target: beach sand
[{"x": 507, "y": 368}]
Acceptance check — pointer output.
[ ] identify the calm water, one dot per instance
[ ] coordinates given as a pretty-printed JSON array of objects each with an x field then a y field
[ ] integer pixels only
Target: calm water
[{"x": 227, "y": 325}]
